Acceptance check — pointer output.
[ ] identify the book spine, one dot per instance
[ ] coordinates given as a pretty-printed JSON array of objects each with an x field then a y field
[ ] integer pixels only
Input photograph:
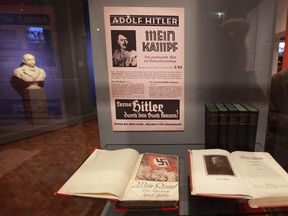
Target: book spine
[
  {"x": 211, "y": 126},
  {"x": 190, "y": 170},
  {"x": 223, "y": 125},
  {"x": 232, "y": 127},
  {"x": 242, "y": 127},
  {"x": 253, "y": 115}
]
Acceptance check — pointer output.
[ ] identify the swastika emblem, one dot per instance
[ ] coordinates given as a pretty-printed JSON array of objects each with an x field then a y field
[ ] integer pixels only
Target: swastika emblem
[{"x": 161, "y": 162}]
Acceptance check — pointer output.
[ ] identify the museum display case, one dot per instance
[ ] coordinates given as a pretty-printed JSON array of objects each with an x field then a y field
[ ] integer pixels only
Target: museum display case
[
  {"x": 143, "y": 72},
  {"x": 57, "y": 34}
]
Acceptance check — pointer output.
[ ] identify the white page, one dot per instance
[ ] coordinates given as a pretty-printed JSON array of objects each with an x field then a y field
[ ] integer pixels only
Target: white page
[
  {"x": 263, "y": 175},
  {"x": 105, "y": 173},
  {"x": 207, "y": 180}
]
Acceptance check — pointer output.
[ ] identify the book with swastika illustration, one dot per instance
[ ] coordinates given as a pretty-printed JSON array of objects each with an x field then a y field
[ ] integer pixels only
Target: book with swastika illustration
[{"x": 132, "y": 179}]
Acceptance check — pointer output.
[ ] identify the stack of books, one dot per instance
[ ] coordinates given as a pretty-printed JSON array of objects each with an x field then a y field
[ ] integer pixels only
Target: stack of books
[{"x": 231, "y": 126}]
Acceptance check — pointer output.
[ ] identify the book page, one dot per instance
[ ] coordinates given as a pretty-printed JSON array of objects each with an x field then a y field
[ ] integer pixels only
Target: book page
[
  {"x": 155, "y": 178},
  {"x": 104, "y": 174},
  {"x": 263, "y": 175},
  {"x": 214, "y": 174}
]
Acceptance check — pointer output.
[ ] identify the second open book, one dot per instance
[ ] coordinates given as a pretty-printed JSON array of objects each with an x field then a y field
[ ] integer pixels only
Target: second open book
[
  {"x": 134, "y": 180},
  {"x": 249, "y": 175}
]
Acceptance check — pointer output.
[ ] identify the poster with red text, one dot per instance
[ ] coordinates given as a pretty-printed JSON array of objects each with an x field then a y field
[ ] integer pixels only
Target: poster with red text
[{"x": 145, "y": 61}]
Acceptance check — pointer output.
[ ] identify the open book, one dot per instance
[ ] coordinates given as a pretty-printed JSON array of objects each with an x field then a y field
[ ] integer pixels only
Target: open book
[
  {"x": 250, "y": 175},
  {"x": 134, "y": 180}
]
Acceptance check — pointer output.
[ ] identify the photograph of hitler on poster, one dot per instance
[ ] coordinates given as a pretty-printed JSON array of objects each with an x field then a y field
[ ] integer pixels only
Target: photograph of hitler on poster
[{"x": 145, "y": 68}]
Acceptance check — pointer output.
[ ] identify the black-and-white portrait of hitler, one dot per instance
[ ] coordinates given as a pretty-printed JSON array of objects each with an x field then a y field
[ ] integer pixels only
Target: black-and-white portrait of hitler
[
  {"x": 124, "y": 48},
  {"x": 218, "y": 165}
]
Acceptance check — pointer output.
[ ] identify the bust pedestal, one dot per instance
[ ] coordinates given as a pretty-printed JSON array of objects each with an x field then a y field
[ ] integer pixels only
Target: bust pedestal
[{"x": 35, "y": 105}]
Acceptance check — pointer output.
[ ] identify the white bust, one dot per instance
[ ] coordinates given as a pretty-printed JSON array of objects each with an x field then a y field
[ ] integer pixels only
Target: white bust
[{"x": 29, "y": 72}]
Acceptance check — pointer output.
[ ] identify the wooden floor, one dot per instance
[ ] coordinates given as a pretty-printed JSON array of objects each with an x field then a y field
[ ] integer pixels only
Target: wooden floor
[{"x": 31, "y": 170}]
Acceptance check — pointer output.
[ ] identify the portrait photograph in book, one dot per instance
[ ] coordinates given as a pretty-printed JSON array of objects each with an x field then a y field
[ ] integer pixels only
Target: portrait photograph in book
[{"x": 218, "y": 165}]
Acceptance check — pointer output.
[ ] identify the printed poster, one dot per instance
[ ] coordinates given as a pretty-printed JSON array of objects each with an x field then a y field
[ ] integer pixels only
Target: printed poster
[{"x": 145, "y": 61}]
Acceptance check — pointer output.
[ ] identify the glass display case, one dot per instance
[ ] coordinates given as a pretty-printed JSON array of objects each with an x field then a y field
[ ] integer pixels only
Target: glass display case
[
  {"x": 226, "y": 56},
  {"x": 57, "y": 36}
]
